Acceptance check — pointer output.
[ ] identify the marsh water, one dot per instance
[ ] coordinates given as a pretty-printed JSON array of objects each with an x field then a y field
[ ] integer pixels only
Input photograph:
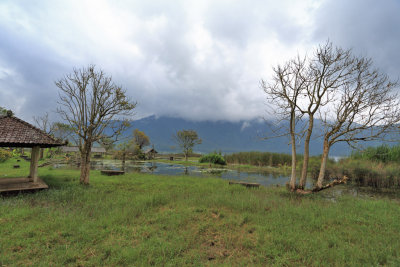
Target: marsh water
[{"x": 264, "y": 178}]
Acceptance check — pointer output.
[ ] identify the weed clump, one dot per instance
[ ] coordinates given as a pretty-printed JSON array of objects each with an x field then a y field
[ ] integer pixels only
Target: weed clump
[
  {"x": 4, "y": 155},
  {"x": 213, "y": 158}
]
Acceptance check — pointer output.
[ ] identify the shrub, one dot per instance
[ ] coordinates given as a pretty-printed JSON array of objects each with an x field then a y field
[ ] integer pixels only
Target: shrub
[
  {"x": 213, "y": 158},
  {"x": 4, "y": 155},
  {"x": 137, "y": 151}
]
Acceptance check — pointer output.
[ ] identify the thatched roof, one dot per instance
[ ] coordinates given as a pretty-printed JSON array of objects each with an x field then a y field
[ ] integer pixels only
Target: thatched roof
[
  {"x": 150, "y": 150},
  {"x": 15, "y": 132}
]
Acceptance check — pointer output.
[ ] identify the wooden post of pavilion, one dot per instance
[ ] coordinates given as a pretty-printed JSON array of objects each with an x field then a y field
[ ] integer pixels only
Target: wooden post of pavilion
[{"x": 33, "y": 174}]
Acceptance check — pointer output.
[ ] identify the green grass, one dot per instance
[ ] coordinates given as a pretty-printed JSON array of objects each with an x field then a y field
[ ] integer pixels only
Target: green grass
[{"x": 138, "y": 219}]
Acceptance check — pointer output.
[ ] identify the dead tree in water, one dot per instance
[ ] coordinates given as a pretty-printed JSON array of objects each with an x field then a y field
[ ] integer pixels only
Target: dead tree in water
[
  {"x": 354, "y": 101},
  {"x": 284, "y": 93},
  {"x": 326, "y": 71},
  {"x": 365, "y": 108}
]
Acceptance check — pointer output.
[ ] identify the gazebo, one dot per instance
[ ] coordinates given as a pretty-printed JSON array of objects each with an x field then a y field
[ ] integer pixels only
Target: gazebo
[{"x": 15, "y": 132}]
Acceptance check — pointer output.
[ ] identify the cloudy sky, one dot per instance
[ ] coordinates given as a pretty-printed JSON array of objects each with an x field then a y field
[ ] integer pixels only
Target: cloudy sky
[{"x": 199, "y": 60}]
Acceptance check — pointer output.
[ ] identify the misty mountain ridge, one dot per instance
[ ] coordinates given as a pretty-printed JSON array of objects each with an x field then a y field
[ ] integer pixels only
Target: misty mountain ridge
[{"x": 229, "y": 137}]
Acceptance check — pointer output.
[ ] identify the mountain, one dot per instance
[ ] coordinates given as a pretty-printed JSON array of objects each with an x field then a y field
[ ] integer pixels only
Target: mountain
[{"x": 225, "y": 136}]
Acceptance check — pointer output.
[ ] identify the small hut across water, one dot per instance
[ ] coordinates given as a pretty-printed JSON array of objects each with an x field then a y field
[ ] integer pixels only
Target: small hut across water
[
  {"x": 150, "y": 153},
  {"x": 15, "y": 132}
]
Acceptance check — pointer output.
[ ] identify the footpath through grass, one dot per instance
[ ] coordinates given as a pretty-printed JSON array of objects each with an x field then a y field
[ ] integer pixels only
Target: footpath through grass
[{"x": 138, "y": 219}]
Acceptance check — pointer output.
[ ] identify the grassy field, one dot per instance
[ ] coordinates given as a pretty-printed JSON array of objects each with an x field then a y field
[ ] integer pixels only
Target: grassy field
[{"x": 138, "y": 219}]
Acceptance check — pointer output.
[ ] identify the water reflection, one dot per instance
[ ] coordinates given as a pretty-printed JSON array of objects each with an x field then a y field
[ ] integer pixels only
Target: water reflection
[{"x": 263, "y": 178}]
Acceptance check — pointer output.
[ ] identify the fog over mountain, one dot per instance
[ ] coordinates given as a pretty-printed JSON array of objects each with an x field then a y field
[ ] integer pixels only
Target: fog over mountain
[{"x": 227, "y": 137}]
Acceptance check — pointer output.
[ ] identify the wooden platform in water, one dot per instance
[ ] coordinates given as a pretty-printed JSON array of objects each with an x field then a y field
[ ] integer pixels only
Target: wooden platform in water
[
  {"x": 111, "y": 172},
  {"x": 245, "y": 184},
  {"x": 21, "y": 184}
]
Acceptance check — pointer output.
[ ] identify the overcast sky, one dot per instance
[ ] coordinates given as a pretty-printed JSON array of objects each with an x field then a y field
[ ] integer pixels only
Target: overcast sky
[{"x": 199, "y": 60}]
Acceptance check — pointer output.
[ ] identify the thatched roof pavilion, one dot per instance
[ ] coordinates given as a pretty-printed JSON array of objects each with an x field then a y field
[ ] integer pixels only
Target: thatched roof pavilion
[{"x": 15, "y": 132}]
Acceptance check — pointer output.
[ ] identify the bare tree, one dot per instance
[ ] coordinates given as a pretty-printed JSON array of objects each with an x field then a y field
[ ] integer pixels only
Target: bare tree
[
  {"x": 90, "y": 103},
  {"x": 284, "y": 93},
  {"x": 326, "y": 71},
  {"x": 43, "y": 123},
  {"x": 124, "y": 148},
  {"x": 354, "y": 101},
  {"x": 186, "y": 140},
  {"x": 63, "y": 131},
  {"x": 365, "y": 107},
  {"x": 107, "y": 142}
]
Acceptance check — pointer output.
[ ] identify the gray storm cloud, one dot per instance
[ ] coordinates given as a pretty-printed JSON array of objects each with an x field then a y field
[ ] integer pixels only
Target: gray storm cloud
[
  {"x": 369, "y": 27},
  {"x": 200, "y": 60}
]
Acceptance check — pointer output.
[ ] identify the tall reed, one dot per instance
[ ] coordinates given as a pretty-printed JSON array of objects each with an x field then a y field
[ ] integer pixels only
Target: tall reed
[
  {"x": 257, "y": 158},
  {"x": 382, "y": 153}
]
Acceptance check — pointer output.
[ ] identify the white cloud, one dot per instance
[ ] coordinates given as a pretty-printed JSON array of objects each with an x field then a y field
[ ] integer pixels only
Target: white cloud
[
  {"x": 193, "y": 59},
  {"x": 245, "y": 125}
]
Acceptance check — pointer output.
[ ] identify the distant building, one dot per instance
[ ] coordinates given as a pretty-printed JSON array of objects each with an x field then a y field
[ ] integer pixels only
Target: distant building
[
  {"x": 150, "y": 153},
  {"x": 69, "y": 149}
]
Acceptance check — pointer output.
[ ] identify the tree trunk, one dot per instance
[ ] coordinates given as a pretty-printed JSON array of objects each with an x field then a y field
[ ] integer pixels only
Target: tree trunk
[
  {"x": 123, "y": 160},
  {"x": 85, "y": 163},
  {"x": 186, "y": 156},
  {"x": 292, "y": 182},
  {"x": 324, "y": 160},
  {"x": 41, "y": 153},
  {"x": 303, "y": 177}
]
